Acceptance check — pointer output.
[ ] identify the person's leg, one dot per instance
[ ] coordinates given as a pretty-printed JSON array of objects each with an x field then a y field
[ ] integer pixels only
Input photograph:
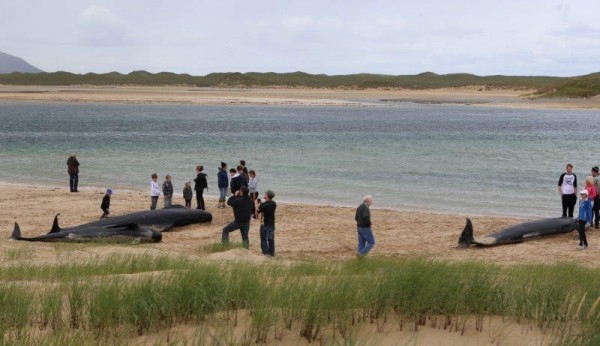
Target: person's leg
[
  {"x": 271, "y": 240},
  {"x": 232, "y": 226},
  {"x": 596, "y": 212},
  {"x": 71, "y": 181},
  {"x": 264, "y": 246},
  {"x": 572, "y": 204},
  {"x": 201, "y": 194},
  {"x": 581, "y": 231},
  {"x": 361, "y": 241},
  {"x": 565, "y": 203},
  {"x": 222, "y": 191},
  {"x": 76, "y": 182},
  {"x": 367, "y": 235},
  {"x": 244, "y": 229},
  {"x": 198, "y": 198},
  {"x": 153, "y": 202}
]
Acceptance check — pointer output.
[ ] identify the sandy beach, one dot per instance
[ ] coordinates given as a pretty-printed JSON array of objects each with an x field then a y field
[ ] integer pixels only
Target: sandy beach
[
  {"x": 303, "y": 232},
  {"x": 475, "y": 95}
]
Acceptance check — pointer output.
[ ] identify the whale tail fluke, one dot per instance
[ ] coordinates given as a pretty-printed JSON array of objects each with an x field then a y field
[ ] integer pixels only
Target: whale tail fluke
[
  {"x": 16, "y": 234},
  {"x": 55, "y": 227},
  {"x": 466, "y": 237}
]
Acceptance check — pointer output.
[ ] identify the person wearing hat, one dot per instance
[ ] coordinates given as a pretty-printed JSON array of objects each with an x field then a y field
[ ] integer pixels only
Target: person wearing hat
[
  {"x": 267, "y": 226},
  {"x": 223, "y": 183},
  {"x": 596, "y": 206},
  {"x": 105, "y": 204},
  {"x": 567, "y": 186},
  {"x": 585, "y": 216}
]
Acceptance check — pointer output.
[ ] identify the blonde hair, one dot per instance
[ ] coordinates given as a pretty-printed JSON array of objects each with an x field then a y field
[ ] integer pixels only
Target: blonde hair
[{"x": 589, "y": 180}]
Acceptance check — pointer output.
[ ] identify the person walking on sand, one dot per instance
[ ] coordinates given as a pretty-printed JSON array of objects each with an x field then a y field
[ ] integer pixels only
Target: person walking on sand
[
  {"x": 200, "y": 184},
  {"x": 585, "y": 216},
  {"x": 188, "y": 194},
  {"x": 167, "y": 189},
  {"x": 243, "y": 209},
  {"x": 105, "y": 205},
  {"x": 596, "y": 207},
  {"x": 154, "y": 191},
  {"x": 223, "y": 183},
  {"x": 267, "y": 227},
  {"x": 366, "y": 241},
  {"x": 73, "y": 169},
  {"x": 567, "y": 186}
]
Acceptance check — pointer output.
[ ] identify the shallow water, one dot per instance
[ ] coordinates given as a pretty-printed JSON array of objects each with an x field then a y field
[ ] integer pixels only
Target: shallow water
[{"x": 444, "y": 158}]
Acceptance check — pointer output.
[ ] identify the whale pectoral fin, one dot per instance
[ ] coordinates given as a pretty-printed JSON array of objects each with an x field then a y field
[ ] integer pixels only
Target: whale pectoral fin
[
  {"x": 158, "y": 228},
  {"x": 16, "y": 234},
  {"x": 55, "y": 227},
  {"x": 466, "y": 237}
]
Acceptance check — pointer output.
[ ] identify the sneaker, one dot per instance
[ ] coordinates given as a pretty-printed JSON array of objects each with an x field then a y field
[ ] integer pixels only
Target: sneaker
[{"x": 581, "y": 247}]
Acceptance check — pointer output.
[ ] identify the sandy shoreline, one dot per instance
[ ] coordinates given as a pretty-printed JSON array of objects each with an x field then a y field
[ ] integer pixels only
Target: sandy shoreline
[
  {"x": 303, "y": 231},
  {"x": 475, "y": 95}
]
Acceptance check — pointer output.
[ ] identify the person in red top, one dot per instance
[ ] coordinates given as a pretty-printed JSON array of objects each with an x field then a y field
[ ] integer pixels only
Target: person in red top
[{"x": 591, "y": 189}]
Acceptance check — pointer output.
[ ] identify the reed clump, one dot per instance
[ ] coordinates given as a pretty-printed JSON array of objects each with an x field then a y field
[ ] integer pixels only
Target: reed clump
[{"x": 321, "y": 302}]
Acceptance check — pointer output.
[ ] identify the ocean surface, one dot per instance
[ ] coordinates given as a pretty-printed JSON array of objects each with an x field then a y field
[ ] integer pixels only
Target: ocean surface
[{"x": 442, "y": 158}]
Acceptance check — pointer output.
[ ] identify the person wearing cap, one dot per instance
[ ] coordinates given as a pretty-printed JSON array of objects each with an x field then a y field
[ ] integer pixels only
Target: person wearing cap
[
  {"x": 567, "y": 186},
  {"x": 585, "y": 216},
  {"x": 267, "y": 225},
  {"x": 223, "y": 183},
  {"x": 596, "y": 206},
  {"x": 366, "y": 241},
  {"x": 105, "y": 204}
]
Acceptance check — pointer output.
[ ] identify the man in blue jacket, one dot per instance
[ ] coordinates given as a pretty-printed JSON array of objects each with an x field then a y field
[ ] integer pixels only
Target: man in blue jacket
[{"x": 223, "y": 184}]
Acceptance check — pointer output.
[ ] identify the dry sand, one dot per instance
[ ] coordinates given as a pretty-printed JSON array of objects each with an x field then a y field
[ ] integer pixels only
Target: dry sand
[{"x": 289, "y": 96}]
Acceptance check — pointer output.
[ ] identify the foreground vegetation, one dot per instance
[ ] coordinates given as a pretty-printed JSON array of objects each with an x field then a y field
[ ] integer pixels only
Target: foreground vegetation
[{"x": 99, "y": 301}]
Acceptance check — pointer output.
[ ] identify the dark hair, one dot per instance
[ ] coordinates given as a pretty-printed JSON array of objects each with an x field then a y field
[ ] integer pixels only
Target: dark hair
[
  {"x": 199, "y": 168},
  {"x": 595, "y": 169},
  {"x": 252, "y": 172},
  {"x": 232, "y": 170},
  {"x": 239, "y": 168},
  {"x": 244, "y": 190},
  {"x": 154, "y": 175},
  {"x": 569, "y": 165},
  {"x": 243, "y": 162}
]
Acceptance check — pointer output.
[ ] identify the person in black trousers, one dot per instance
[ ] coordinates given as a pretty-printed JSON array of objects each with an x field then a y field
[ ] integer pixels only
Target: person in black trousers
[
  {"x": 73, "y": 169},
  {"x": 105, "y": 204},
  {"x": 567, "y": 187},
  {"x": 200, "y": 184}
]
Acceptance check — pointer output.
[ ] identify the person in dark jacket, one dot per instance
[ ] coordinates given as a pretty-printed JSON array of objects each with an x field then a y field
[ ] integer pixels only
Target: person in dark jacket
[
  {"x": 363, "y": 225},
  {"x": 223, "y": 183},
  {"x": 105, "y": 205},
  {"x": 167, "y": 189},
  {"x": 73, "y": 169},
  {"x": 238, "y": 180},
  {"x": 243, "y": 209},
  {"x": 200, "y": 184},
  {"x": 267, "y": 227},
  {"x": 188, "y": 194},
  {"x": 245, "y": 172}
]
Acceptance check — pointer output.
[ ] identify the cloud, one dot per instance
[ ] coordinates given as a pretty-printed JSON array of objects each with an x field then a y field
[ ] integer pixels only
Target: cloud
[{"x": 98, "y": 26}]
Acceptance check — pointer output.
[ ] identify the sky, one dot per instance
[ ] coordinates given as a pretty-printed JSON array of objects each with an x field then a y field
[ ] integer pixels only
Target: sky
[{"x": 508, "y": 37}]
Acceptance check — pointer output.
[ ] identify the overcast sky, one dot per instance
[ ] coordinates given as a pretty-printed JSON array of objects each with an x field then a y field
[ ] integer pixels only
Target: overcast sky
[{"x": 509, "y": 37}]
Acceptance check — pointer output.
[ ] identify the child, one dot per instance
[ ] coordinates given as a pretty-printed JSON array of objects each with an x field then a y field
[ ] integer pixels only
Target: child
[
  {"x": 154, "y": 191},
  {"x": 105, "y": 204},
  {"x": 167, "y": 189},
  {"x": 585, "y": 216},
  {"x": 188, "y": 194},
  {"x": 223, "y": 183},
  {"x": 591, "y": 189},
  {"x": 267, "y": 227}
]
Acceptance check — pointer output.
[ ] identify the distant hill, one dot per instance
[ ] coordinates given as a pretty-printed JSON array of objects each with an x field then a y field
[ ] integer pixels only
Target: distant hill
[{"x": 10, "y": 64}]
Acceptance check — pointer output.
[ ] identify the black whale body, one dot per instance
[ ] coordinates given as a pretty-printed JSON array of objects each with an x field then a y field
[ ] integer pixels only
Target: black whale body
[
  {"x": 518, "y": 233},
  {"x": 118, "y": 232}
]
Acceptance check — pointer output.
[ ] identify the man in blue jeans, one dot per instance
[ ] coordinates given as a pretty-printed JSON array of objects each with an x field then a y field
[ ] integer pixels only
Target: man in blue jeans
[
  {"x": 243, "y": 209},
  {"x": 363, "y": 225}
]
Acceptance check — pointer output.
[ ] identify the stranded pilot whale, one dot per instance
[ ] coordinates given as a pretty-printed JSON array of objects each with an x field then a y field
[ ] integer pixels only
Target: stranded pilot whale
[
  {"x": 117, "y": 232},
  {"x": 517, "y": 233}
]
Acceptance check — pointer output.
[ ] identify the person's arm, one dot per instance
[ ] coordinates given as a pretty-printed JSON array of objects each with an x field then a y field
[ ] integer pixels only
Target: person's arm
[
  {"x": 366, "y": 216},
  {"x": 575, "y": 183},
  {"x": 560, "y": 181}
]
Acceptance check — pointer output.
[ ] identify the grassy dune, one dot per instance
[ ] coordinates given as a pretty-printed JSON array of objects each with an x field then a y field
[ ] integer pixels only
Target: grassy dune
[{"x": 110, "y": 300}]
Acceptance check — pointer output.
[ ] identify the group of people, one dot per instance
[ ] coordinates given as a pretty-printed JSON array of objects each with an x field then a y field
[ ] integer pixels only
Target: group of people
[{"x": 589, "y": 202}]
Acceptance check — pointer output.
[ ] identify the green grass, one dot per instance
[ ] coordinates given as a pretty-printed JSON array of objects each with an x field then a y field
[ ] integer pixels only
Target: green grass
[
  {"x": 577, "y": 87},
  {"x": 220, "y": 247},
  {"x": 90, "y": 301}
]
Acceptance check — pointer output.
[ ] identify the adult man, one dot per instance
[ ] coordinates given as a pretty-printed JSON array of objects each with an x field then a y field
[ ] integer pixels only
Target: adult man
[
  {"x": 267, "y": 228},
  {"x": 73, "y": 169},
  {"x": 363, "y": 225},
  {"x": 243, "y": 209},
  {"x": 238, "y": 180},
  {"x": 595, "y": 172},
  {"x": 567, "y": 185},
  {"x": 200, "y": 184}
]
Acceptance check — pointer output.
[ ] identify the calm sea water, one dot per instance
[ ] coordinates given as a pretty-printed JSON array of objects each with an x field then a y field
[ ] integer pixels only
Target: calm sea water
[{"x": 445, "y": 158}]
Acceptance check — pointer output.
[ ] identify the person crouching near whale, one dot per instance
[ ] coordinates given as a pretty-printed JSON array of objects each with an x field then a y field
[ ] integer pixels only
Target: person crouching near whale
[
  {"x": 585, "y": 216},
  {"x": 366, "y": 241},
  {"x": 105, "y": 205},
  {"x": 154, "y": 191},
  {"x": 243, "y": 209}
]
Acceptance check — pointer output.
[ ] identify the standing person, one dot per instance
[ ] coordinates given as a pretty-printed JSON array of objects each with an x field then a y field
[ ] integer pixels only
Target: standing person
[
  {"x": 200, "y": 184},
  {"x": 596, "y": 207},
  {"x": 245, "y": 171},
  {"x": 267, "y": 227},
  {"x": 592, "y": 193},
  {"x": 167, "y": 189},
  {"x": 105, "y": 205},
  {"x": 253, "y": 185},
  {"x": 238, "y": 180},
  {"x": 188, "y": 194},
  {"x": 154, "y": 191},
  {"x": 73, "y": 169},
  {"x": 223, "y": 183},
  {"x": 243, "y": 209},
  {"x": 363, "y": 225},
  {"x": 567, "y": 186},
  {"x": 585, "y": 216}
]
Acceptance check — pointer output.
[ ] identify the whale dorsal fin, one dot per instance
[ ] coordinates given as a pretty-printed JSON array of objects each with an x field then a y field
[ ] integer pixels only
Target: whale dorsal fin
[
  {"x": 55, "y": 227},
  {"x": 16, "y": 234},
  {"x": 466, "y": 237}
]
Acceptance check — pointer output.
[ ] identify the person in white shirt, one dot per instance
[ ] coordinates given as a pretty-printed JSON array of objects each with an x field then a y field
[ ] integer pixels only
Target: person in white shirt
[
  {"x": 154, "y": 191},
  {"x": 253, "y": 185},
  {"x": 567, "y": 186}
]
